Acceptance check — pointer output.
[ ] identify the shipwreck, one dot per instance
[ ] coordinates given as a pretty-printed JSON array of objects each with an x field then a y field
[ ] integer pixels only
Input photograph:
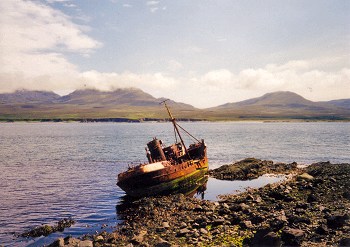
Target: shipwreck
[{"x": 170, "y": 169}]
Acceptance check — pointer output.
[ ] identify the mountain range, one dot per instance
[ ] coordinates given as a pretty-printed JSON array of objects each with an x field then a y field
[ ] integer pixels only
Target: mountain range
[{"x": 135, "y": 104}]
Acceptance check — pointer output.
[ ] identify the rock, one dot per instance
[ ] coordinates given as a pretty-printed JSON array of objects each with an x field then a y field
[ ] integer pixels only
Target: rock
[
  {"x": 292, "y": 236},
  {"x": 162, "y": 243},
  {"x": 344, "y": 241},
  {"x": 138, "y": 239},
  {"x": 183, "y": 232},
  {"x": 71, "y": 241},
  {"x": 99, "y": 238},
  {"x": 277, "y": 224},
  {"x": 311, "y": 198},
  {"x": 271, "y": 239},
  {"x": 305, "y": 176},
  {"x": 86, "y": 243},
  {"x": 264, "y": 237},
  {"x": 160, "y": 229},
  {"x": 196, "y": 225},
  {"x": 336, "y": 221},
  {"x": 277, "y": 195},
  {"x": 322, "y": 229},
  {"x": 249, "y": 197},
  {"x": 247, "y": 224},
  {"x": 198, "y": 208},
  {"x": 183, "y": 225},
  {"x": 257, "y": 199},
  {"x": 58, "y": 243},
  {"x": 244, "y": 207},
  {"x": 294, "y": 219},
  {"x": 219, "y": 221},
  {"x": 165, "y": 225},
  {"x": 203, "y": 231}
]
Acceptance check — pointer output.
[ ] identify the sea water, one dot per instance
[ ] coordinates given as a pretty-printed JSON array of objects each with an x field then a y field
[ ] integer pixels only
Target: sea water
[{"x": 51, "y": 171}]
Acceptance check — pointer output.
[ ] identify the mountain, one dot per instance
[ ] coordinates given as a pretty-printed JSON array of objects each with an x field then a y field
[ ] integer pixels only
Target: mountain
[
  {"x": 130, "y": 103},
  {"x": 344, "y": 103},
  {"x": 130, "y": 96},
  {"x": 133, "y": 103},
  {"x": 282, "y": 104},
  {"x": 28, "y": 97}
]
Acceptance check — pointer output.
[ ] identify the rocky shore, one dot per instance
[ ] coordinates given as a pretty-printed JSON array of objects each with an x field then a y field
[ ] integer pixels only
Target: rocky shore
[
  {"x": 252, "y": 168},
  {"x": 310, "y": 209}
]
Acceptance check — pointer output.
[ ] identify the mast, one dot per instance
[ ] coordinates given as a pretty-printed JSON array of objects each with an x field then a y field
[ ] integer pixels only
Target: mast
[{"x": 175, "y": 125}]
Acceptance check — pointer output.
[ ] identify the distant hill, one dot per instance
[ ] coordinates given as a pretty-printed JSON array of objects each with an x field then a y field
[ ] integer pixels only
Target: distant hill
[
  {"x": 344, "y": 103},
  {"x": 130, "y": 103},
  {"x": 133, "y": 103},
  {"x": 281, "y": 104},
  {"x": 28, "y": 97}
]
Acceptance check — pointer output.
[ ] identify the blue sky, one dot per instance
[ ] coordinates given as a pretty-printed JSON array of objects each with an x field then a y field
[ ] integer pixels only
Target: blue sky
[{"x": 204, "y": 53}]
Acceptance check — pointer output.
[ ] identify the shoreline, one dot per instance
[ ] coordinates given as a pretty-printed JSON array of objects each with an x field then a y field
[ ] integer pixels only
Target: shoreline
[{"x": 310, "y": 209}]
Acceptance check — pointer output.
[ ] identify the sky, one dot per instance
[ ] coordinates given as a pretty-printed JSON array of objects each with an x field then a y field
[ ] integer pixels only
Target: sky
[{"x": 200, "y": 52}]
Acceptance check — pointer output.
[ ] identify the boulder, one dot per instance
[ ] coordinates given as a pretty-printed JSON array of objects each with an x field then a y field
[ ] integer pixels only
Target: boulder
[
  {"x": 292, "y": 236},
  {"x": 183, "y": 232},
  {"x": 337, "y": 221},
  {"x": 265, "y": 237},
  {"x": 86, "y": 243},
  {"x": 305, "y": 176}
]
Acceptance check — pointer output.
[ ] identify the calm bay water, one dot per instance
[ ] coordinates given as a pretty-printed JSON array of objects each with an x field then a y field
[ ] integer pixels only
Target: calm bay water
[{"x": 49, "y": 171}]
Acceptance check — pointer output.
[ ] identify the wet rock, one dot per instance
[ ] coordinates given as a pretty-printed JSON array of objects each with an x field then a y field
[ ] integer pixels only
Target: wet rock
[
  {"x": 71, "y": 241},
  {"x": 99, "y": 238},
  {"x": 292, "y": 236},
  {"x": 58, "y": 243},
  {"x": 46, "y": 230}
]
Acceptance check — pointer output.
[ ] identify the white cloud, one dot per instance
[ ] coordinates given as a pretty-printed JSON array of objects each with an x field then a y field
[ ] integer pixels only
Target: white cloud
[
  {"x": 126, "y": 5},
  {"x": 152, "y": 3},
  {"x": 36, "y": 37},
  {"x": 32, "y": 52}
]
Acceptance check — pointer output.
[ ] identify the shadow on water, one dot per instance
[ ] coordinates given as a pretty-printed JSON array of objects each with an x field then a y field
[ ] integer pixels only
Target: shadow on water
[{"x": 192, "y": 190}]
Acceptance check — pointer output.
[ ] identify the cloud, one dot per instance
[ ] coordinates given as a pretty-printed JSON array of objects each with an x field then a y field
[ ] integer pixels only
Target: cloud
[
  {"x": 39, "y": 41},
  {"x": 152, "y": 3},
  {"x": 126, "y": 5}
]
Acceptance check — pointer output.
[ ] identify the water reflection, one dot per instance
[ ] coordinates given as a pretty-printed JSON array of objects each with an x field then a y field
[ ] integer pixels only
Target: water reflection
[
  {"x": 196, "y": 189},
  {"x": 215, "y": 187}
]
